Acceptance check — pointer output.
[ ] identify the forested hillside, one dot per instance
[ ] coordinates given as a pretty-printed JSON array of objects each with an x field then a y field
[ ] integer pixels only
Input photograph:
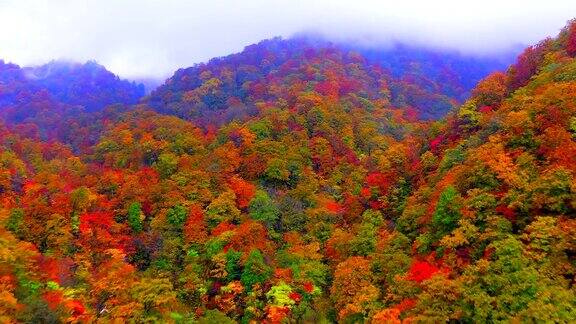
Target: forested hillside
[
  {"x": 294, "y": 183},
  {"x": 425, "y": 83}
]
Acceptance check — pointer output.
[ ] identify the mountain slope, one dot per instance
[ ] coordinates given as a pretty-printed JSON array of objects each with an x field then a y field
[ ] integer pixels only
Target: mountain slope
[
  {"x": 496, "y": 210},
  {"x": 308, "y": 195}
]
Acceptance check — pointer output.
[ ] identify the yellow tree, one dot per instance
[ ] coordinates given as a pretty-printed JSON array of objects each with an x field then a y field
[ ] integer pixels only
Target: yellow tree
[{"x": 352, "y": 291}]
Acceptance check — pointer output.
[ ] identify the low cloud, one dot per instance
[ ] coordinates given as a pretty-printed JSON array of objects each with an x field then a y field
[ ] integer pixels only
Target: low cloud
[{"x": 152, "y": 38}]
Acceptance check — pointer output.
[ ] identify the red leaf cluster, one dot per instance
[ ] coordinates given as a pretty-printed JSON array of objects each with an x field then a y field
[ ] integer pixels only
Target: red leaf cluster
[{"x": 422, "y": 270}]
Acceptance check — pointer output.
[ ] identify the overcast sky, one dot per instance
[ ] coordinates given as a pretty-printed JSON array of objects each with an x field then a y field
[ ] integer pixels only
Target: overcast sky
[{"x": 152, "y": 38}]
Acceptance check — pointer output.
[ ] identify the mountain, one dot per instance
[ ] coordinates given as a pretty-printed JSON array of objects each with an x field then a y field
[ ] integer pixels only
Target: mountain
[
  {"x": 429, "y": 83},
  {"x": 443, "y": 71},
  {"x": 89, "y": 85},
  {"x": 298, "y": 183},
  {"x": 55, "y": 100}
]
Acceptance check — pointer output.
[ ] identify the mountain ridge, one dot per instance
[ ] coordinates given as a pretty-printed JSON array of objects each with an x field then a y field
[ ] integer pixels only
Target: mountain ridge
[{"x": 274, "y": 54}]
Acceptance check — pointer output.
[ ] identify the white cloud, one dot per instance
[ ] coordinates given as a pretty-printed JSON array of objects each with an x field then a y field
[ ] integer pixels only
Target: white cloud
[{"x": 140, "y": 38}]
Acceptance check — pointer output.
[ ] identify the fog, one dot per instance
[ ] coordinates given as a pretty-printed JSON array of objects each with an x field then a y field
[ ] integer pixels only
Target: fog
[{"x": 152, "y": 38}]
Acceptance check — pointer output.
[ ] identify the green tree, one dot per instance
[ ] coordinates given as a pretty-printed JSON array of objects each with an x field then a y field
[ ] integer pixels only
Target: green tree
[
  {"x": 439, "y": 301},
  {"x": 497, "y": 289},
  {"x": 255, "y": 270},
  {"x": 365, "y": 241},
  {"x": 223, "y": 208},
  {"x": 392, "y": 259},
  {"x": 15, "y": 222},
  {"x": 233, "y": 268},
  {"x": 279, "y": 295},
  {"x": 447, "y": 213},
  {"x": 155, "y": 294},
  {"x": 277, "y": 170},
  {"x": 135, "y": 217},
  {"x": 213, "y": 316},
  {"x": 167, "y": 164},
  {"x": 177, "y": 216},
  {"x": 262, "y": 208}
]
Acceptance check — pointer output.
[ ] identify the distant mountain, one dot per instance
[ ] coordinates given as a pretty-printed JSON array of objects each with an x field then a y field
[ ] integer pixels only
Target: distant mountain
[
  {"x": 429, "y": 83},
  {"x": 150, "y": 84},
  {"x": 448, "y": 72},
  {"x": 89, "y": 85},
  {"x": 56, "y": 99}
]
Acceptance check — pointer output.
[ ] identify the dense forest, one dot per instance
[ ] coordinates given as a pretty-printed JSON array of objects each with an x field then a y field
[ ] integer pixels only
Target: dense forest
[{"x": 296, "y": 181}]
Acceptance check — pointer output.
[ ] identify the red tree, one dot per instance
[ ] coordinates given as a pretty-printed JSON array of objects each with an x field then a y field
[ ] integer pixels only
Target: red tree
[{"x": 571, "y": 43}]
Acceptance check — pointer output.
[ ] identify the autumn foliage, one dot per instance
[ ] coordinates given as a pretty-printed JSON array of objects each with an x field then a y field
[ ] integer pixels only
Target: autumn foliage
[{"x": 295, "y": 182}]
